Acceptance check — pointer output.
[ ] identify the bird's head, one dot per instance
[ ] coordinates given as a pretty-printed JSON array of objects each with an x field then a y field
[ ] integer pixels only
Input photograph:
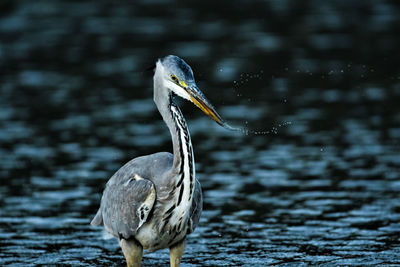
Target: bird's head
[{"x": 177, "y": 76}]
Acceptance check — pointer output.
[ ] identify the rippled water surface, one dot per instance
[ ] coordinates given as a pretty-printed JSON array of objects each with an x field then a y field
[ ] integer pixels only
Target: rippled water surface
[{"x": 319, "y": 83}]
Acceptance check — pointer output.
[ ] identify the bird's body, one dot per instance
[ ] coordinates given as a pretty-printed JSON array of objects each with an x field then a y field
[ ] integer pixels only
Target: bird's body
[
  {"x": 171, "y": 222},
  {"x": 154, "y": 201}
]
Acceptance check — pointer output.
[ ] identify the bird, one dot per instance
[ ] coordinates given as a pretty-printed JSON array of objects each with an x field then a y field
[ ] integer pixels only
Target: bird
[{"x": 155, "y": 201}]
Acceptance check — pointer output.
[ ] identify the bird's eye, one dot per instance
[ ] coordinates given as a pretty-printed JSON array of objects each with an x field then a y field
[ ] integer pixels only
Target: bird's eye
[{"x": 174, "y": 78}]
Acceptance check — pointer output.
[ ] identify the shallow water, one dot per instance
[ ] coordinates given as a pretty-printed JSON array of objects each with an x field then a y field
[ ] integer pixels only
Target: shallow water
[{"x": 319, "y": 82}]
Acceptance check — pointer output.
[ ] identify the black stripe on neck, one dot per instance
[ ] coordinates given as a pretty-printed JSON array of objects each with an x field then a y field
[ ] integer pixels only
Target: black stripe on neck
[{"x": 181, "y": 128}]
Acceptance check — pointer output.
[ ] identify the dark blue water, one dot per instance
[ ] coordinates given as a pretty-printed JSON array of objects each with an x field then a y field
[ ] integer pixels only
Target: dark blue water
[{"x": 319, "y": 83}]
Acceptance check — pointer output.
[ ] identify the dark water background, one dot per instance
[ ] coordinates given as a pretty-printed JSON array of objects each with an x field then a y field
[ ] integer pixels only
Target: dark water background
[{"x": 322, "y": 78}]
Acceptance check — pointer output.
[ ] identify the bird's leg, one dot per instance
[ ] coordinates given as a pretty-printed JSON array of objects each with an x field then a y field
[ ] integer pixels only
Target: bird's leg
[
  {"x": 133, "y": 252},
  {"x": 176, "y": 252}
]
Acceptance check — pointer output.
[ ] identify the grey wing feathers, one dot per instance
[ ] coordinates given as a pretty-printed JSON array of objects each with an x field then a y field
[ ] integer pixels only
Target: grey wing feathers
[
  {"x": 130, "y": 194},
  {"x": 98, "y": 219},
  {"x": 197, "y": 207},
  {"x": 125, "y": 207}
]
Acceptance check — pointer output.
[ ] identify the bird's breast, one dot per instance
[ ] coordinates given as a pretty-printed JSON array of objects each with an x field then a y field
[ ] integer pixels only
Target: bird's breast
[{"x": 152, "y": 237}]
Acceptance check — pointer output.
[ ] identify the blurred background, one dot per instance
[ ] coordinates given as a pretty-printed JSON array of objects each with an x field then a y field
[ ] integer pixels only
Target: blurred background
[{"x": 319, "y": 81}]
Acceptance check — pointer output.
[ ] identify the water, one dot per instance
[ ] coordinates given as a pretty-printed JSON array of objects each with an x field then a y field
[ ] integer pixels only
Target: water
[{"x": 319, "y": 82}]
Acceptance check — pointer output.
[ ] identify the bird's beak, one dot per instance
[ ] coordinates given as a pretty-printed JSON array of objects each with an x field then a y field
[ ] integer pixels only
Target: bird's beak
[{"x": 202, "y": 102}]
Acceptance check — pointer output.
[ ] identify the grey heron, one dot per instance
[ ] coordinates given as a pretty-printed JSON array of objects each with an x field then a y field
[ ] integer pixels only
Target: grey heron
[{"x": 154, "y": 201}]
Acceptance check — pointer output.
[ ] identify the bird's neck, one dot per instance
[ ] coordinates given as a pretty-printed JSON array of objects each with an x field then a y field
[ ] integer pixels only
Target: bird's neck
[
  {"x": 183, "y": 151},
  {"x": 172, "y": 116}
]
